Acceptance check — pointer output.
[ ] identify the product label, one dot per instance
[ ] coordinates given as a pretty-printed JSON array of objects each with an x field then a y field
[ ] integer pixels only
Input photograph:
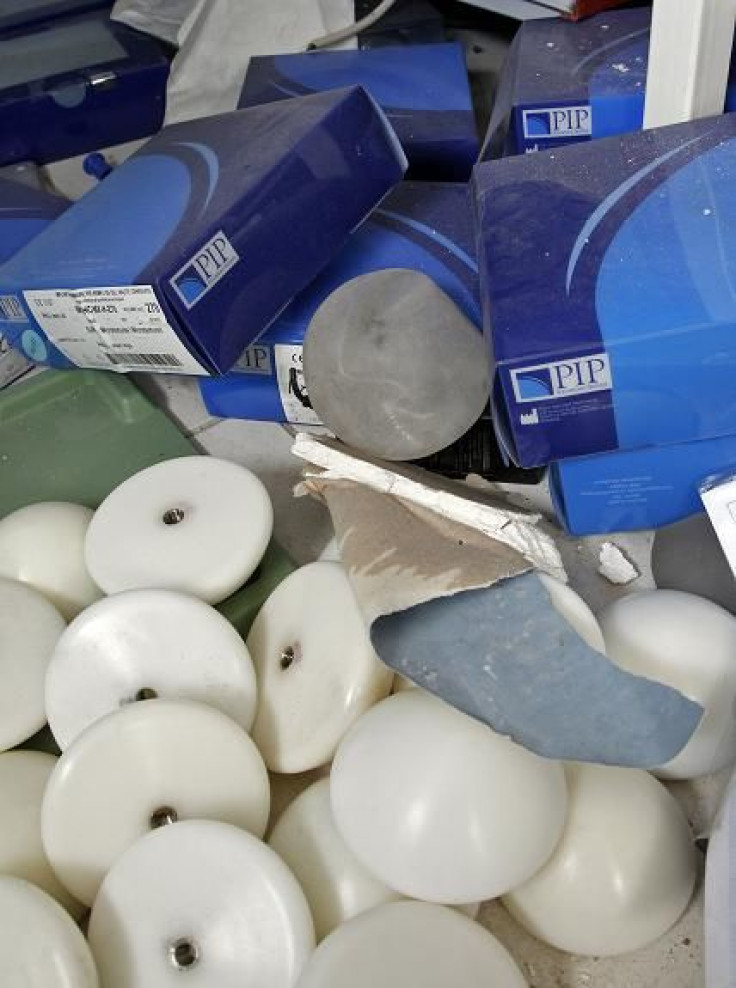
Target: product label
[
  {"x": 256, "y": 359},
  {"x": 119, "y": 329},
  {"x": 719, "y": 499},
  {"x": 551, "y": 122},
  {"x": 290, "y": 376},
  {"x": 562, "y": 378}
]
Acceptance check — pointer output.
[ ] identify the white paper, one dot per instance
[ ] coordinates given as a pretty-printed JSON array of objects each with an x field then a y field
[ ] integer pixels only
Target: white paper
[
  {"x": 170, "y": 20},
  {"x": 719, "y": 498}
]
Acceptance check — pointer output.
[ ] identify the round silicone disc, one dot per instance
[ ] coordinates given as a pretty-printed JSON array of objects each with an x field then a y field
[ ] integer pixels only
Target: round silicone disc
[
  {"x": 196, "y": 524},
  {"x": 148, "y": 765},
  {"x": 144, "y": 644},
  {"x": 200, "y": 903}
]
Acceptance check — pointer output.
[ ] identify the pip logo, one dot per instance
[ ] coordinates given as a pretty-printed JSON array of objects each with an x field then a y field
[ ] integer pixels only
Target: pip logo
[
  {"x": 577, "y": 375},
  {"x": 256, "y": 359},
  {"x": 549, "y": 123},
  {"x": 211, "y": 263}
]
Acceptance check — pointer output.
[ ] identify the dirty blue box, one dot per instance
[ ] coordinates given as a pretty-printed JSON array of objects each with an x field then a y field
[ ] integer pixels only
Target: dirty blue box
[
  {"x": 638, "y": 489},
  {"x": 423, "y": 89},
  {"x": 25, "y": 210},
  {"x": 76, "y": 84},
  {"x": 563, "y": 83},
  {"x": 607, "y": 275},
  {"x": 427, "y": 226},
  {"x": 192, "y": 247}
]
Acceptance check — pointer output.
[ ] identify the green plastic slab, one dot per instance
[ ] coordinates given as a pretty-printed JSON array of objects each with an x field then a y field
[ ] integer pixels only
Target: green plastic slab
[{"x": 76, "y": 435}]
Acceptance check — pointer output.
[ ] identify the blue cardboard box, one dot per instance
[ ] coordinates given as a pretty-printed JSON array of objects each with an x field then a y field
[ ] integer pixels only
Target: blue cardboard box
[
  {"x": 76, "y": 84},
  {"x": 423, "y": 89},
  {"x": 607, "y": 273},
  {"x": 425, "y": 226},
  {"x": 638, "y": 489},
  {"x": 25, "y": 210},
  {"x": 563, "y": 83},
  {"x": 191, "y": 248}
]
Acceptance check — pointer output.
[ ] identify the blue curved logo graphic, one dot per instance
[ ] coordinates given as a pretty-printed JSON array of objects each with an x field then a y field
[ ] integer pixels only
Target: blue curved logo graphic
[
  {"x": 132, "y": 214},
  {"x": 374, "y": 247},
  {"x": 212, "y": 163},
  {"x": 536, "y": 124},
  {"x": 433, "y": 236},
  {"x": 598, "y": 215},
  {"x": 190, "y": 288},
  {"x": 675, "y": 256},
  {"x": 533, "y": 386}
]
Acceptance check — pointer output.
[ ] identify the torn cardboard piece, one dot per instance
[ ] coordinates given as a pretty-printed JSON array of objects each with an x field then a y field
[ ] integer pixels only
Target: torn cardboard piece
[
  {"x": 505, "y": 656},
  {"x": 445, "y": 578},
  {"x": 485, "y": 512},
  {"x": 417, "y": 556}
]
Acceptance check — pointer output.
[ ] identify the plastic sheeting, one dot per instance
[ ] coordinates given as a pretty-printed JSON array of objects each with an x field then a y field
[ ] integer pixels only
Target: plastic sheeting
[{"x": 216, "y": 39}]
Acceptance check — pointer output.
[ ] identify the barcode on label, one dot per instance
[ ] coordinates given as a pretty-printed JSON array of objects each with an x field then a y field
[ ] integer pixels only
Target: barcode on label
[
  {"x": 145, "y": 359},
  {"x": 11, "y": 309}
]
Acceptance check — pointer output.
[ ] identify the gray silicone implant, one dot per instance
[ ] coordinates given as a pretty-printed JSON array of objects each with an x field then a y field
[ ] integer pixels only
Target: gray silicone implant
[{"x": 393, "y": 367}]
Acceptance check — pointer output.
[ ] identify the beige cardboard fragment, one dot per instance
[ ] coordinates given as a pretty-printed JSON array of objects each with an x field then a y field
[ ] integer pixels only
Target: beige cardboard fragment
[
  {"x": 398, "y": 554},
  {"x": 481, "y": 510},
  {"x": 399, "y": 534}
]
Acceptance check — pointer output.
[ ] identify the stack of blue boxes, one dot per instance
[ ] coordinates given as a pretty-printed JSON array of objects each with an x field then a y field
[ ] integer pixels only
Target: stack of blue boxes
[
  {"x": 609, "y": 280},
  {"x": 189, "y": 250},
  {"x": 426, "y": 223},
  {"x": 597, "y": 256},
  {"x": 195, "y": 257}
]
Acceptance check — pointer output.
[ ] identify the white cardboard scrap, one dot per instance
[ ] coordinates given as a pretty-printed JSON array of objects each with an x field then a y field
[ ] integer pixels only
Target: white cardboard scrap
[{"x": 516, "y": 529}]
